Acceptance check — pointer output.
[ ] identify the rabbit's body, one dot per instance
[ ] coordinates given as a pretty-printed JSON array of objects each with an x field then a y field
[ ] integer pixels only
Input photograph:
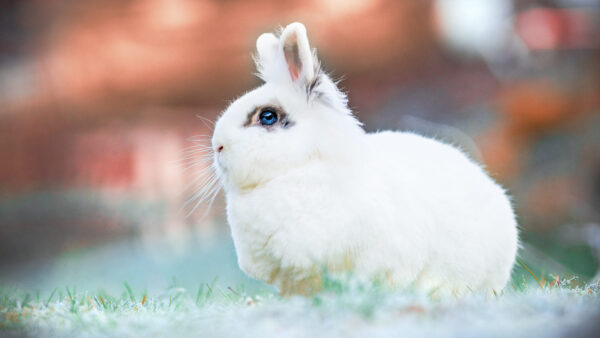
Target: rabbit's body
[
  {"x": 312, "y": 190},
  {"x": 441, "y": 223}
]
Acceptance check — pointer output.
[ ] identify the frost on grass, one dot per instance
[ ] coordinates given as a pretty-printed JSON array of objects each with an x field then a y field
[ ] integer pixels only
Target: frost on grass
[{"x": 345, "y": 308}]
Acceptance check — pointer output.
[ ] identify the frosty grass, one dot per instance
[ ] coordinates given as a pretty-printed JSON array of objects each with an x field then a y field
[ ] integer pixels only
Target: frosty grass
[{"x": 344, "y": 308}]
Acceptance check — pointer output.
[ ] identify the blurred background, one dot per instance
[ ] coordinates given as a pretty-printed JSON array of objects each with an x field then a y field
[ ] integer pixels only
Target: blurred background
[{"x": 99, "y": 99}]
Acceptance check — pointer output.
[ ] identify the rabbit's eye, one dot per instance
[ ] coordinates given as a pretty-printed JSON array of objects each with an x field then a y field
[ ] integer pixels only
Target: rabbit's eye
[{"x": 267, "y": 117}]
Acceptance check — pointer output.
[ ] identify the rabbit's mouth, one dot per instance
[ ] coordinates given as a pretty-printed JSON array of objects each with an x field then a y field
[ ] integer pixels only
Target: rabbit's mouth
[
  {"x": 220, "y": 168},
  {"x": 233, "y": 179},
  {"x": 219, "y": 164},
  {"x": 224, "y": 173}
]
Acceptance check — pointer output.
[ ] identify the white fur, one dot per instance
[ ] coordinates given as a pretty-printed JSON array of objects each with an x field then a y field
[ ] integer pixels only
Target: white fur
[{"x": 393, "y": 206}]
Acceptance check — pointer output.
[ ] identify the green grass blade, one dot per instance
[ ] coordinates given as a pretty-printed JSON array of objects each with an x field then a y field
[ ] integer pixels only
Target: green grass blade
[
  {"x": 51, "y": 295},
  {"x": 199, "y": 294},
  {"x": 531, "y": 272},
  {"x": 129, "y": 291}
]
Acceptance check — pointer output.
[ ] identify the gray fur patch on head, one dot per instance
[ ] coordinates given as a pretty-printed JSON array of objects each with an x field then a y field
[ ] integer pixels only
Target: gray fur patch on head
[
  {"x": 324, "y": 90},
  {"x": 310, "y": 87}
]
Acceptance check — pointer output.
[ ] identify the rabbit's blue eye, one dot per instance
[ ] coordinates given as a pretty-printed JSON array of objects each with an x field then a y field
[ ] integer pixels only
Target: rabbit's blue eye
[{"x": 267, "y": 117}]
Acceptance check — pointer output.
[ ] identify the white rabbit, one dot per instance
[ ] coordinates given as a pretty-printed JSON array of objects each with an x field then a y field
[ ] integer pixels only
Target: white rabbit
[{"x": 307, "y": 188}]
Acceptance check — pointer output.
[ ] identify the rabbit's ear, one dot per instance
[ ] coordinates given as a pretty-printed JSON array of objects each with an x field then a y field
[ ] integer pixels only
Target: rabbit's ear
[
  {"x": 296, "y": 50},
  {"x": 267, "y": 45}
]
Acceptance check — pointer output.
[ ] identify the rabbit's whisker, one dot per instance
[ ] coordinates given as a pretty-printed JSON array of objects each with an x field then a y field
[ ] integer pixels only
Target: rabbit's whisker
[
  {"x": 203, "y": 136},
  {"x": 205, "y": 185},
  {"x": 192, "y": 159},
  {"x": 198, "y": 146},
  {"x": 200, "y": 139},
  {"x": 204, "y": 195},
  {"x": 195, "y": 156},
  {"x": 194, "y": 163},
  {"x": 210, "y": 196},
  {"x": 203, "y": 177},
  {"x": 205, "y": 119}
]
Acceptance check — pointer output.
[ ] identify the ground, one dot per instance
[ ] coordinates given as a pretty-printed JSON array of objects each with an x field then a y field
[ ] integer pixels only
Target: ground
[{"x": 231, "y": 305}]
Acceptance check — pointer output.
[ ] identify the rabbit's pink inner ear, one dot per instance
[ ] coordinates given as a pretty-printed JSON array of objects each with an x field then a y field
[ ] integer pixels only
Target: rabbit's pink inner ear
[{"x": 292, "y": 57}]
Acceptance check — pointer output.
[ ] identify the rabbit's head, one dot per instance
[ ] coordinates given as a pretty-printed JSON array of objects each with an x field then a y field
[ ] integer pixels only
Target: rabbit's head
[{"x": 297, "y": 116}]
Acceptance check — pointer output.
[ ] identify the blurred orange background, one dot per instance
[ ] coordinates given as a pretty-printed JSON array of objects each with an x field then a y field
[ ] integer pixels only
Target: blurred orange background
[{"x": 99, "y": 98}]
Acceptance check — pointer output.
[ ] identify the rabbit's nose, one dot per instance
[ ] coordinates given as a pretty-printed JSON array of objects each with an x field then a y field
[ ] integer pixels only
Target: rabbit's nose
[{"x": 219, "y": 148}]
